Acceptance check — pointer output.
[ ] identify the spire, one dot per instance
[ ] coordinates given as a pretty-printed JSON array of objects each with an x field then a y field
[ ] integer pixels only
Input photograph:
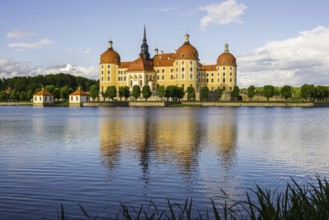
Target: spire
[
  {"x": 144, "y": 38},
  {"x": 144, "y": 47},
  {"x": 110, "y": 45},
  {"x": 187, "y": 38},
  {"x": 226, "y": 48}
]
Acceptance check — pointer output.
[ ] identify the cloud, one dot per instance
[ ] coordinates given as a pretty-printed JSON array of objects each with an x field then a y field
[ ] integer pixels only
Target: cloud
[
  {"x": 86, "y": 51},
  {"x": 10, "y": 68},
  {"x": 16, "y": 34},
  {"x": 38, "y": 44},
  {"x": 164, "y": 9},
  {"x": 223, "y": 13},
  {"x": 295, "y": 61}
]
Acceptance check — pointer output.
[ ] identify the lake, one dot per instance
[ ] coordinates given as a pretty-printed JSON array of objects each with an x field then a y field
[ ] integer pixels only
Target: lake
[{"x": 99, "y": 157}]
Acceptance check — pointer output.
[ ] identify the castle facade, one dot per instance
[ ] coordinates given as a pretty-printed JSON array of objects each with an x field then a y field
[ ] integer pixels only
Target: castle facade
[{"x": 180, "y": 68}]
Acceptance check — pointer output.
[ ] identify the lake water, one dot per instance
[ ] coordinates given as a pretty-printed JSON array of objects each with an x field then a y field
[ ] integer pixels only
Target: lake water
[{"x": 99, "y": 157}]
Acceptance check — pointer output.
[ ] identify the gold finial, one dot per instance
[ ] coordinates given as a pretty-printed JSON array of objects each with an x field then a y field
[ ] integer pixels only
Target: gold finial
[{"x": 226, "y": 48}]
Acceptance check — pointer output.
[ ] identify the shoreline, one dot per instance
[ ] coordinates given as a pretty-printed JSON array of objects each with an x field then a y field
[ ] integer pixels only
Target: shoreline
[{"x": 185, "y": 104}]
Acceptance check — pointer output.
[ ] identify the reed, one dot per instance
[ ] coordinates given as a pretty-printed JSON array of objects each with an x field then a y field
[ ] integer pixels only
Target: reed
[{"x": 309, "y": 201}]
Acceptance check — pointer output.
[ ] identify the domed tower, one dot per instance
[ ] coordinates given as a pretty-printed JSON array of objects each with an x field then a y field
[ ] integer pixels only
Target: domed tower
[
  {"x": 145, "y": 48},
  {"x": 186, "y": 65},
  {"x": 227, "y": 68},
  {"x": 109, "y": 63}
]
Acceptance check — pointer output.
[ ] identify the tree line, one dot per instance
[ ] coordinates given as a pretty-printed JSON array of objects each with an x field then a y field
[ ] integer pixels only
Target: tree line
[
  {"x": 60, "y": 85},
  {"x": 306, "y": 92}
]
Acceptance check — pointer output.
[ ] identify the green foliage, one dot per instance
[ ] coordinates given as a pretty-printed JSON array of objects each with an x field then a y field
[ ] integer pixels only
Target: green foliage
[
  {"x": 190, "y": 93},
  {"x": 170, "y": 92},
  {"x": 204, "y": 92},
  {"x": 22, "y": 96},
  {"x": 111, "y": 92},
  {"x": 29, "y": 95},
  {"x": 57, "y": 93},
  {"x": 121, "y": 92},
  {"x": 286, "y": 92},
  {"x": 179, "y": 93},
  {"x": 305, "y": 91},
  {"x": 161, "y": 92},
  {"x": 93, "y": 91},
  {"x": 268, "y": 91},
  {"x": 235, "y": 92},
  {"x": 65, "y": 91},
  {"x": 25, "y": 83},
  {"x": 251, "y": 92},
  {"x": 146, "y": 91},
  {"x": 126, "y": 92},
  {"x": 136, "y": 93},
  {"x": 50, "y": 88},
  {"x": 3, "y": 96},
  {"x": 219, "y": 93},
  {"x": 309, "y": 201}
]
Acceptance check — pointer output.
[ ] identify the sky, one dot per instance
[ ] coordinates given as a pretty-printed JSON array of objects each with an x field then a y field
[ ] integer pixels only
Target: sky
[{"x": 275, "y": 42}]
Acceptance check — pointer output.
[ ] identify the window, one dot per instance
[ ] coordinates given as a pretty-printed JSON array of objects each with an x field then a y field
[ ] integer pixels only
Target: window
[
  {"x": 102, "y": 72},
  {"x": 223, "y": 80},
  {"x": 157, "y": 77},
  {"x": 182, "y": 76},
  {"x": 212, "y": 80},
  {"x": 162, "y": 77},
  {"x": 182, "y": 62},
  {"x": 40, "y": 98},
  {"x": 183, "y": 86},
  {"x": 158, "y": 71},
  {"x": 230, "y": 79},
  {"x": 76, "y": 98},
  {"x": 108, "y": 78},
  {"x": 108, "y": 66},
  {"x": 231, "y": 88},
  {"x": 176, "y": 69},
  {"x": 230, "y": 74},
  {"x": 182, "y": 69},
  {"x": 212, "y": 74},
  {"x": 224, "y": 68},
  {"x": 50, "y": 98},
  {"x": 191, "y": 76},
  {"x": 207, "y": 80},
  {"x": 124, "y": 78},
  {"x": 45, "y": 98},
  {"x": 108, "y": 72},
  {"x": 230, "y": 68},
  {"x": 191, "y": 69},
  {"x": 102, "y": 66},
  {"x": 224, "y": 88},
  {"x": 35, "y": 98},
  {"x": 223, "y": 74},
  {"x": 102, "y": 78},
  {"x": 71, "y": 98},
  {"x": 190, "y": 62},
  {"x": 171, "y": 70},
  {"x": 171, "y": 77},
  {"x": 162, "y": 70}
]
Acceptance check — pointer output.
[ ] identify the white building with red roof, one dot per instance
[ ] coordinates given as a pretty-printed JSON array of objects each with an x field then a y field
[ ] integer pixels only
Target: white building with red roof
[
  {"x": 78, "y": 97},
  {"x": 43, "y": 98}
]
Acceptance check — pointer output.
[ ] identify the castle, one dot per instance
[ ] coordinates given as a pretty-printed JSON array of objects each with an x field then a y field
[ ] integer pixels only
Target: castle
[{"x": 181, "y": 68}]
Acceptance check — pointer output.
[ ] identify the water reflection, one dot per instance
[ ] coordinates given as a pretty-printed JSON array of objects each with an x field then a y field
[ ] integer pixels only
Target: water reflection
[{"x": 172, "y": 138}]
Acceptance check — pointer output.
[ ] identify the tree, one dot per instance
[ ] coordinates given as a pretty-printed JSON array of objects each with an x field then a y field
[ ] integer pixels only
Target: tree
[
  {"x": 65, "y": 92},
  {"x": 29, "y": 95},
  {"x": 126, "y": 92},
  {"x": 190, "y": 93},
  {"x": 93, "y": 91},
  {"x": 121, "y": 92},
  {"x": 204, "y": 92},
  {"x": 219, "y": 93},
  {"x": 50, "y": 88},
  {"x": 180, "y": 93},
  {"x": 251, "y": 92},
  {"x": 57, "y": 93},
  {"x": 171, "y": 92},
  {"x": 3, "y": 96},
  {"x": 22, "y": 96},
  {"x": 161, "y": 92},
  {"x": 111, "y": 92},
  {"x": 305, "y": 91},
  {"x": 277, "y": 92},
  {"x": 268, "y": 91},
  {"x": 235, "y": 92},
  {"x": 286, "y": 92},
  {"x": 13, "y": 95},
  {"x": 146, "y": 91},
  {"x": 136, "y": 93}
]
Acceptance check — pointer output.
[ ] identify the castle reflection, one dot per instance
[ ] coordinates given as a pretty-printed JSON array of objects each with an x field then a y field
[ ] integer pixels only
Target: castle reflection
[{"x": 167, "y": 135}]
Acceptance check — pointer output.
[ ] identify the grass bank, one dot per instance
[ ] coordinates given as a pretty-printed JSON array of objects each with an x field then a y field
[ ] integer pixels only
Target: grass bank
[{"x": 308, "y": 201}]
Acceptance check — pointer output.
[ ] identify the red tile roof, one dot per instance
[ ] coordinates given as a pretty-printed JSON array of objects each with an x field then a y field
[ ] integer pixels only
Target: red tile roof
[{"x": 43, "y": 93}]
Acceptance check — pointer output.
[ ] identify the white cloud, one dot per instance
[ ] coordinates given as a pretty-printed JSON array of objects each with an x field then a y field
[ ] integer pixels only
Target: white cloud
[
  {"x": 38, "y": 44},
  {"x": 222, "y": 13},
  {"x": 164, "y": 9},
  {"x": 86, "y": 51},
  {"x": 16, "y": 34},
  {"x": 10, "y": 68},
  {"x": 294, "y": 61}
]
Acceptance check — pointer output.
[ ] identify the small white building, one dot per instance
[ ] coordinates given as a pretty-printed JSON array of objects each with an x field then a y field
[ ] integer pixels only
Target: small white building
[
  {"x": 43, "y": 98},
  {"x": 78, "y": 97}
]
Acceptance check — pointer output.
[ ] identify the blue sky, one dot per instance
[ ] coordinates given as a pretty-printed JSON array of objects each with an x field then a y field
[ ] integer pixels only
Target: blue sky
[{"x": 275, "y": 42}]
